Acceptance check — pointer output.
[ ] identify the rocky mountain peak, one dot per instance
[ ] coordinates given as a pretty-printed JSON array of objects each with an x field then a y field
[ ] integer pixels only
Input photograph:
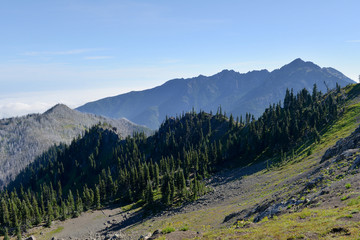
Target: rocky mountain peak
[
  {"x": 299, "y": 64},
  {"x": 59, "y": 108}
]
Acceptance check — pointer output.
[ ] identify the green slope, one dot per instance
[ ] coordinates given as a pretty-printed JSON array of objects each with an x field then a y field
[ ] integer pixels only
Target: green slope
[
  {"x": 167, "y": 169},
  {"x": 334, "y": 216}
]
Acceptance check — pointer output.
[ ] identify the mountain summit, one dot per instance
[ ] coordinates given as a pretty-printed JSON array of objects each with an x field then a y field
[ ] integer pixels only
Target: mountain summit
[
  {"x": 24, "y": 138},
  {"x": 236, "y": 93}
]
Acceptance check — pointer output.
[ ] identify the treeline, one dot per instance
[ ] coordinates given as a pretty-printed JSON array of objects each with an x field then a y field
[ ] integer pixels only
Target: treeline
[
  {"x": 281, "y": 128},
  {"x": 158, "y": 171}
]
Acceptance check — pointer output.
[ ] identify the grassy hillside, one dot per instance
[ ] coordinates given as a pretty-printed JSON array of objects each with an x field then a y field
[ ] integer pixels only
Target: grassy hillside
[
  {"x": 333, "y": 207},
  {"x": 163, "y": 176}
]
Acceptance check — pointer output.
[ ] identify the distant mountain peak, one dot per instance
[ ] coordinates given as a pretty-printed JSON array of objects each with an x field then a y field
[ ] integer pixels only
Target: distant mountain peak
[
  {"x": 58, "y": 108},
  {"x": 299, "y": 63},
  {"x": 237, "y": 93}
]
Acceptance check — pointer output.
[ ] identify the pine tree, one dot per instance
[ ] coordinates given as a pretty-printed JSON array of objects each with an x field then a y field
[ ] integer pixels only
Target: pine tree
[
  {"x": 6, "y": 235},
  {"x": 37, "y": 215},
  {"x": 157, "y": 175},
  {"x": 63, "y": 211},
  {"x": 79, "y": 204},
  {"x": 5, "y": 213},
  {"x": 97, "y": 198},
  {"x": 181, "y": 185},
  {"x": 59, "y": 190},
  {"x": 13, "y": 214},
  {"x": 49, "y": 214},
  {"x": 149, "y": 195},
  {"x": 195, "y": 188},
  {"x": 18, "y": 233}
]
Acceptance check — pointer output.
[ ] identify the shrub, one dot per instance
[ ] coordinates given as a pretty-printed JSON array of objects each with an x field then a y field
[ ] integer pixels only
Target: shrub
[
  {"x": 168, "y": 230},
  {"x": 345, "y": 198},
  {"x": 184, "y": 228},
  {"x": 348, "y": 185},
  {"x": 354, "y": 201}
]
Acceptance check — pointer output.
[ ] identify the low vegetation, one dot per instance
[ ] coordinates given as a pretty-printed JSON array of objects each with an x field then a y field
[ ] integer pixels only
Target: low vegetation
[{"x": 166, "y": 169}]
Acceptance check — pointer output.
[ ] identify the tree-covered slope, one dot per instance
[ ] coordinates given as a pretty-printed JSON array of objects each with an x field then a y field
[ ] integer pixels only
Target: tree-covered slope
[
  {"x": 166, "y": 168},
  {"x": 237, "y": 93},
  {"x": 24, "y": 138}
]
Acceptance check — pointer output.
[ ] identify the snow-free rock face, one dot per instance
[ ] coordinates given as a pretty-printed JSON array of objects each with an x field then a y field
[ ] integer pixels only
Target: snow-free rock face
[
  {"x": 236, "y": 93},
  {"x": 24, "y": 138},
  {"x": 351, "y": 142}
]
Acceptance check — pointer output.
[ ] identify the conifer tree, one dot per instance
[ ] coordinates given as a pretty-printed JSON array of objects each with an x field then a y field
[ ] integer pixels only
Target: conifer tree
[
  {"x": 97, "y": 198},
  {"x": 157, "y": 175},
  {"x": 78, "y": 205},
  {"x": 63, "y": 211},
  {"x": 5, "y": 213},
  {"x": 37, "y": 216},
  {"x": 6, "y": 235},
  {"x": 149, "y": 195},
  {"x": 49, "y": 214},
  {"x": 18, "y": 233}
]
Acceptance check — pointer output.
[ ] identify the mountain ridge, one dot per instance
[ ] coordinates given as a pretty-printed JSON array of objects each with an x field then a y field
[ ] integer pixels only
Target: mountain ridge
[
  {"x": 24, "y": 138},
  {"x": 237, "y": 93},
  {"x": 284, "y": 172}
]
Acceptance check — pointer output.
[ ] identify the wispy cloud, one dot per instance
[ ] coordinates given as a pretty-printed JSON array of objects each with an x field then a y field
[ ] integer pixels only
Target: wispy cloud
[
  {"x": 170, "y": 61},
  {"x": 67, "y": 52},
  {"x": 353, "y": 41},
  {"x": 98, "y": 57},
  {"x": 23, "y": 103}
]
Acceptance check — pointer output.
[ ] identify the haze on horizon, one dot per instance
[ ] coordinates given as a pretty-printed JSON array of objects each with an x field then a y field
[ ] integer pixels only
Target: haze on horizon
[{"x": 75, "y": 52}]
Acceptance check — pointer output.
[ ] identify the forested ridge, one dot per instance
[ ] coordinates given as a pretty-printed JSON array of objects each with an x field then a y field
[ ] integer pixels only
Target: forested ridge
[{"x": 162, "y": 170}]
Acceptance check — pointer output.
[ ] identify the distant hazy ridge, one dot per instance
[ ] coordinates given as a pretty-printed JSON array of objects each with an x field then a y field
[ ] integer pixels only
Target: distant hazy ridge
[{"x": 237, "y": 93}]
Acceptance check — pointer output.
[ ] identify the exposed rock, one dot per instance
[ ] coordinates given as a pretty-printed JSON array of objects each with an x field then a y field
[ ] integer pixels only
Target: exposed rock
[
  {"x": 156, "y": 234},
  {"x": 314, "y": 182},
  {"x": 31, "y": 238},
  {"x": 351, "y": 142},
  {"x": 355, "y": 164},
  {"x": 346, "y": 154},
  {"x": 147, "y": 236},
  {"x": 276, "y": 209}
]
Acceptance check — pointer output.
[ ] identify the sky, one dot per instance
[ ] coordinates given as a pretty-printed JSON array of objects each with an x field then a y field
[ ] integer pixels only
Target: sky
[{"x": 73, "y": 52}]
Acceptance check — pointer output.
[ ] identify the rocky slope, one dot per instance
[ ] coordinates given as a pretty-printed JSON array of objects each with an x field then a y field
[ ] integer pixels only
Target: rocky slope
[
  {"x": 236, "y": 93},
  {"x": 24, "y": 138}
]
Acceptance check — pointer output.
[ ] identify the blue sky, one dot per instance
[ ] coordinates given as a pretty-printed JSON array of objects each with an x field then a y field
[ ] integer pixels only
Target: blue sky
[{"x": 78, "y": 51}]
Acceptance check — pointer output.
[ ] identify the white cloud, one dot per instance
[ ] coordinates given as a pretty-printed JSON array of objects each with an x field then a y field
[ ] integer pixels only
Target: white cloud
[
  {"x": 353, "y": 41},
  {"x": 67, "y": 52},
  {"x": 38, "y": 102},
  {"x": 98, "y": 57},
  {"x": 14, "y": 109}
]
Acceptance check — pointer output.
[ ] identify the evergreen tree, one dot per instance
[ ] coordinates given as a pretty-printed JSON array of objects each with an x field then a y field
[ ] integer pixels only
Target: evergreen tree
[
  {"x": 79, "y": 204},
  {"x": 6, "y": 234},
  {"x": 49, "y": 214},
  {"x": 97, "y": 198},
  {"x": 18, "y": 233},
  {"x": 149, "y": 195}
]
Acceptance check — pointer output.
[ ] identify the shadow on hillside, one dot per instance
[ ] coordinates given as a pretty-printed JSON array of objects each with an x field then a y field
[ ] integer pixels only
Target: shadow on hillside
[
  {"x": 128, "y": 220},
  {"x": 216, "y": 180},
  {"x": 237, "y": 173}
]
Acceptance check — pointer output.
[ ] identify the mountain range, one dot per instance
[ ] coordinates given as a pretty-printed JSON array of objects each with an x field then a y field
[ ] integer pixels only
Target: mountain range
[
  {"x": 236, "y": 93},
  {"x": 24, "y": 138}
]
